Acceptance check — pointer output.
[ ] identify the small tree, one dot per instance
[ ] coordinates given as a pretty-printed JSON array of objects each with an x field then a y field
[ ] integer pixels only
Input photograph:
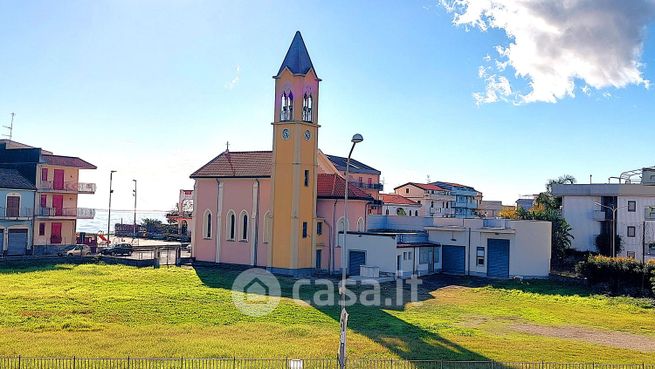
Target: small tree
[
  {"x": 152, "y": 225},
  {"x": 604, "y": 244}
]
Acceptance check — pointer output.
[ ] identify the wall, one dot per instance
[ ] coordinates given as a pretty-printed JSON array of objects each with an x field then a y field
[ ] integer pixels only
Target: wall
[
  {"x": 380, "y": 250},
  {"x": 635, "y": 219},
  {"x": 25, "y": 222},
  {"x": 332, "y": 215},
  {"x": 531, "y": 254},
  {"x": 406, "y": 223},
  {"x": 579, "y": 213}
]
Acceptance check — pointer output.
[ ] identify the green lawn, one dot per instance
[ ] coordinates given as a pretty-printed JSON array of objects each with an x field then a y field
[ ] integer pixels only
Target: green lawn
[{"x": 116, "y": 311}]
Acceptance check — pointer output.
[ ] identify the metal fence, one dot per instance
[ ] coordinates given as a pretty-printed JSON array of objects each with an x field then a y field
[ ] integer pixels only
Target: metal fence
[{"x": 248, "y": 363}]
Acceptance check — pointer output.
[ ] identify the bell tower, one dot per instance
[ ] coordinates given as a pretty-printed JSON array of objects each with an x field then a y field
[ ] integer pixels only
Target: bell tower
[{"x": 295, "y": 146}]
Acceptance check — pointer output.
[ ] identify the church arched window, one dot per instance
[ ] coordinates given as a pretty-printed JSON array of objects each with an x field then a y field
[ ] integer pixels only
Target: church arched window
[
  {"x": 286, "y": 106},
  {"x": 307, "y": 105}
]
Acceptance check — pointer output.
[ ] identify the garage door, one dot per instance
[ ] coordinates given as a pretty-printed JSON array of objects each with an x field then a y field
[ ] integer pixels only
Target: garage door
[
  {"x": 17, "y": 242},
  {"x": 453, "y": 259},
  {"x": 498, "y": 258},
  {"x": 355, "y": 259}
]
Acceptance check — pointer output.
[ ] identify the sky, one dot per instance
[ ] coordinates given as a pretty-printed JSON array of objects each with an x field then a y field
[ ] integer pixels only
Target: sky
[{"x": 498, "y": 94}]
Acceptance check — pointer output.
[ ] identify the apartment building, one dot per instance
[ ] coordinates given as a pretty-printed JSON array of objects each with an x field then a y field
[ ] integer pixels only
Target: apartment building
[
  {"x": 435, "y": 201},
  {"x": 57, "y": 182},
  {"x": 593, "y": 209},
  {"x": 16, "y": 213}
]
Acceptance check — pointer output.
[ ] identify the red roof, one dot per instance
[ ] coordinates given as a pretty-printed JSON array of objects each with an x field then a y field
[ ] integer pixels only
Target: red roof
[
  {"x": 423, "y": 186},
  {"x": 332, "y": 186},
  {"x": 392, "y": 198},
  {"x": 237, "y": 164},
  {"x": 67, "y": 161}
]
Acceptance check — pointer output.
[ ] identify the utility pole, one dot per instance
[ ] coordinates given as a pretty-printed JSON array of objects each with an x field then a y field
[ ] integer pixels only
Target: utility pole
[
  {"x": 134, "y": 194},
  {"x": 10, "y": 127},
  {"x": 111, "y": 177}
]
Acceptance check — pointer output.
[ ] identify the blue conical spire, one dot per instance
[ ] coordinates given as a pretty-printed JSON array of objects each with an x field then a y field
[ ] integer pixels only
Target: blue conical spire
[{"x": 297, "y": 58}]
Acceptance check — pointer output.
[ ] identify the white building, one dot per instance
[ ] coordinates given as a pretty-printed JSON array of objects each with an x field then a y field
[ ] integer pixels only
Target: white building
[
  {"x": 394, "y": 204},
  {"x": 434, "y": 200},
  {"x": 497, "y": 248},
  {"x": 635, "y": 215},
  {"x": 490, "y": 209}
]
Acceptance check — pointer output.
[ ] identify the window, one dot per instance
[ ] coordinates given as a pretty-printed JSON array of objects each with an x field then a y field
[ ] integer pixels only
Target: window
[
  {"x": 231, "y": 225},
  {"x": 244, "y": 226},
  {"x": 431, "y": 204},
  {"x": 44, "y": 174},
  {"x": 631, "y": 231},
  {"x": 401, "y": 212},
  {"x": 307, "y": 104},
  {"x": 286, "y": 108},
  {"x": 13, "y": 206},
  {"x": 304, "y": 229},
  {"x": 407, "y": 190},
  {"x": 361, "y": 180},
  {"x": 632, "y": 206},
  {"x": 370, "y": 182},
  {"x": 631, "y": 254},
  {"x": 387, "y": 212},
  {"x": 319, "y": 228},
  {"x": 407, "y": 255},
  {"x": 360, "y": 225},
  {"x": 306, "y": 178},
  {"x": 479, "y": 256},
  {"x": 207, "y": 225},
  {"x": 268, "y": 227},
  {"x": 41, "y": 229}
]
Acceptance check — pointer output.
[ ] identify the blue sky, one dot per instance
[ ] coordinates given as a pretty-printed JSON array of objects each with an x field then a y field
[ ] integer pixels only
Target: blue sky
[{"x": 154, "y": 89}]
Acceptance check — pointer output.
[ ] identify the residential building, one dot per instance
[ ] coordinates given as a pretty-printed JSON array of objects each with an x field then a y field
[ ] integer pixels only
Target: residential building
[
  {"x": 362, "y": 176},
  {"x": 635, "y": 216},
  {"x": 16, "y": 213},
  {"x": 467, "y": 199},
  {"x": 281, "y": 209},
  {"x": 58, "y": 185},
  {"x": 394, "y": 204},
  {"x": 490, "y": 209},
  {"x": 405, "y": 246},
  {"x": 435, "y": 201},
  {"x": 525, "y": 203}
]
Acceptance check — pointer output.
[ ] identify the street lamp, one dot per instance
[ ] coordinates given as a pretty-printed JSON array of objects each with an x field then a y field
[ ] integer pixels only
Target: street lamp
[
  {"x": 134, "y": 194},
  {"x": 613, "y": 209},
  {"x": 111, "y": 178},
  {"x": 343, "y": 321}
]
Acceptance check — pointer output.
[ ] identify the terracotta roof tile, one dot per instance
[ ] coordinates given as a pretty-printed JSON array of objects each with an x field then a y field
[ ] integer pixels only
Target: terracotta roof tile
[
  {"x": 237, "y": 164},
  {"x": 67, "y": 161},
  {"x": 392, "y": 198},
  {"x": 332, "y": 186},
  {"x": 423, "y": 186}
]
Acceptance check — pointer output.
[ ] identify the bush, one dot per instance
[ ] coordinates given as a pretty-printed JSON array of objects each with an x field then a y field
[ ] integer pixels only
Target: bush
[{"x": 619, "y": 275}]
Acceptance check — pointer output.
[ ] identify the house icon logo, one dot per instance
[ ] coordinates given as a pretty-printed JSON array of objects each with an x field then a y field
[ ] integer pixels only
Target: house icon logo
[{"x": 256, "y": 292}]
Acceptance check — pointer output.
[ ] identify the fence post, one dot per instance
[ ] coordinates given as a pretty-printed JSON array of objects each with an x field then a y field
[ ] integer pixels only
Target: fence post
[
  {"x": 441, "y": 363},
  {"x": 18, "y": 361},
  {"x": 73, "y": 362},
  {"x": 234, "y": 362},
  {"x": 128, "y": 362}
]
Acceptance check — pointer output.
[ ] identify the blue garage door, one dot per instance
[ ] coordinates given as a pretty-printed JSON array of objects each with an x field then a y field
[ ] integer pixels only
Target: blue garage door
[
  {"x": 498, "y": 256},
  {"x": 355, "y": 259},
  {"x": 17, "y": 242},
  {"x": 453, "y": 259}
]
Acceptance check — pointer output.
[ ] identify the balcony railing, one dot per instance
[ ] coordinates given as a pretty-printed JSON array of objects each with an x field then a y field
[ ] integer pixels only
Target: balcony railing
[
  {"x": 601, "y": 216},
  {"x": 370, "y": 186},
  {"x": 465, "y": 204},
  {"x": 70, "y": 186},
  {"x": 16, "y": 213},
  {"x": 79, "y": 213},
  {"x": 88, "y": 188}
]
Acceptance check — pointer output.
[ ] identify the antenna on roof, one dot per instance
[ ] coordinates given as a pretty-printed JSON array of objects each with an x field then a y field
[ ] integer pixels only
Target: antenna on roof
[
  {"x": 428, "y": 179},
  {"x": 227, "y": 146},
  {"x": 10, "y": 127}
]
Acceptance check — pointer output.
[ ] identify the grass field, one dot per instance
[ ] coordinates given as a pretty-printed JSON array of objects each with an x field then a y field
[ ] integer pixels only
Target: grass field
[{"x": 116, "y": 311}]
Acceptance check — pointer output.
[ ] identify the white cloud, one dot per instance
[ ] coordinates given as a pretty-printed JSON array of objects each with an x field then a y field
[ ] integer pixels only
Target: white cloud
[
  {"x": 235, "y": 81},
  {"x": 554, "y": 43}
]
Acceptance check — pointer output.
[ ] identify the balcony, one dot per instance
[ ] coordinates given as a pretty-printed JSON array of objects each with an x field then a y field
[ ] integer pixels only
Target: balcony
[
  {"x": 16, "y": 213},
  {"x": 74, "y": 187},
  {"x": 78, "y": 213},
  {"x": 368, "y": 186},
  {"x": 86, "y": 188},
  {"x": 601, "y": 216},
  {"x": 465, "y": 204}
]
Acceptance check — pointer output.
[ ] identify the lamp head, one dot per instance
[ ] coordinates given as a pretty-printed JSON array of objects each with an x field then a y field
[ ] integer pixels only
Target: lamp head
[{"x": 357, "y": 138}]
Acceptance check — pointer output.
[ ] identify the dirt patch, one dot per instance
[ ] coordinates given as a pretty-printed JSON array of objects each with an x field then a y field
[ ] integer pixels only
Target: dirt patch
[{"x": 614, "y": 339}]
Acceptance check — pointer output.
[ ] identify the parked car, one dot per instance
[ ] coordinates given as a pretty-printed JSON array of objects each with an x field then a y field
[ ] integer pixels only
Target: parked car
[
  {"x": 79, "y": 250},
  {"x": 118, "y": 249},
  {"x": 64, "y": 251}
]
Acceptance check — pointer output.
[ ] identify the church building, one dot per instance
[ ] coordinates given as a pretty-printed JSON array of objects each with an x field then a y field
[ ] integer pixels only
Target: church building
[{"x": 281, "y": 209}]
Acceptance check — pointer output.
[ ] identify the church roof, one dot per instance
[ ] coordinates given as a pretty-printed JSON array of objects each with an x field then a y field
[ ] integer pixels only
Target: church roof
[
  {"x": 333, "y": 186},
  {"x": 297, "y": 58},
  {"x": 237, "y": 164}
]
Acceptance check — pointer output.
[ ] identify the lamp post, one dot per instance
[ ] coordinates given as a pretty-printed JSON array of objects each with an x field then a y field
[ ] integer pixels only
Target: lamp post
[
  {"x": 134, "y": 194},
  {"x": 613, "y": 209},
  {"x": 111, "y": 178},
  {"x": 357, "y": 138}
]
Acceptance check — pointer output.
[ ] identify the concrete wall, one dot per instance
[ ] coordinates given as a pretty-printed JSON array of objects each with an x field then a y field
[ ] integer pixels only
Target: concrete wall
[{"x": 579, "y": 213}]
